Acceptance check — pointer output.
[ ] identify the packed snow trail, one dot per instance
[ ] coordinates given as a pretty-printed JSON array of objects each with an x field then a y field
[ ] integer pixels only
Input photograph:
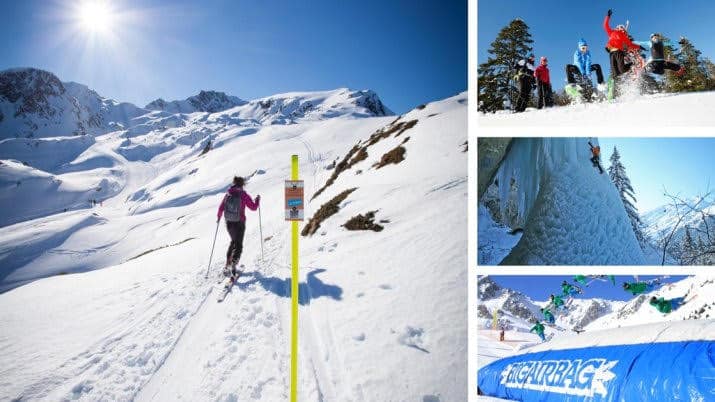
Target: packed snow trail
[
  {"x": 573, "y": 215},
  {"x": 674, "y": 110}
]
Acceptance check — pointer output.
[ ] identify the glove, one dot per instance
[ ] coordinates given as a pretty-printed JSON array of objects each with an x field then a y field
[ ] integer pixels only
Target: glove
[
  {"x": 258, "y": 199},
  {"x": 610, "y": 12}
]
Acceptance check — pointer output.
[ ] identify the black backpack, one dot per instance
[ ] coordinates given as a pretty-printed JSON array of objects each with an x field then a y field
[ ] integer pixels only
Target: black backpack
[{"x": 232, "y": 207}]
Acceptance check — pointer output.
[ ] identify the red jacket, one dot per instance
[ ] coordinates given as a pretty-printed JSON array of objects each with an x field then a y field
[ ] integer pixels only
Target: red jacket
[
  {"x": 542, "y": 74},
  {"x": 617, "y": 40}
]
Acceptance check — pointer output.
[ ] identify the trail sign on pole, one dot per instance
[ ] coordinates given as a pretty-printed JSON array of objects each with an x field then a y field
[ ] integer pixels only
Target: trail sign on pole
[
  {"x": 294, "y": 200},
  {"x": 294, "y": 213}
]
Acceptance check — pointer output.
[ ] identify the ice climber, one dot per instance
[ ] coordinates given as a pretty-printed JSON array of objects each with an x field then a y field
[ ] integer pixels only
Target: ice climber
[
  {"x": 618, "y": 44},
  {"x": 233, "y": 208},
  {"x": 568, "y": 289},
  {"x": 657, "y": 64},
  {"x": 596, "y": 156},
  {"x": 539, "y": 329},
  {"x": 581, "y": 68},
  {"x": 548, "y": 315},
  {"x": 662, "y": 305},
  {"x": 525, "y": 82},
  {"x": 638, "y": 287},
  {"x": 543, "y": 84}
]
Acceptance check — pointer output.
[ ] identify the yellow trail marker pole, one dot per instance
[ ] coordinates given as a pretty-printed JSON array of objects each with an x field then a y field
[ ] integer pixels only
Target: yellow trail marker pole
[{"x": 294, "y": 296}]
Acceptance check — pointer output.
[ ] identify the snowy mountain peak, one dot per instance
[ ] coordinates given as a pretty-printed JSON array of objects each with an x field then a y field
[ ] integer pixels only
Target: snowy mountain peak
[
  {"x": 35, "y": 103},
  {"x": 204, "y": 101},
  {"x": 31, "y": 90}
]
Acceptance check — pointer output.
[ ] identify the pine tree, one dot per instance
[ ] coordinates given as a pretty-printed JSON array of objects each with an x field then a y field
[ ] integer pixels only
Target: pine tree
[
  {"x": 689, "y": 248},
  {"x": 617, "y": 172},
  {"x": 696, "y": 76},
  {"x": 701, "y": 250},
  {"x": 496, "y": 86}
]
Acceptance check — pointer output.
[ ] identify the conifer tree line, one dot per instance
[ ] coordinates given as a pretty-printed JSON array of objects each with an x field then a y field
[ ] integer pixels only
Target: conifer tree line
[
  {"x": 496, "y": 86},
  {"x": 617, "y": 173}
]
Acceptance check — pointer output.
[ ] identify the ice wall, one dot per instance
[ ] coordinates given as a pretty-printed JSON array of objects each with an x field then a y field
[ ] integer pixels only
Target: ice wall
[{"x": 572, "y": 214}]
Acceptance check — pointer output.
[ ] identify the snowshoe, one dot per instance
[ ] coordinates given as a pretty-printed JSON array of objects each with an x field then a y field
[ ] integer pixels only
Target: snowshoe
[{"x": 574, "y": 93}]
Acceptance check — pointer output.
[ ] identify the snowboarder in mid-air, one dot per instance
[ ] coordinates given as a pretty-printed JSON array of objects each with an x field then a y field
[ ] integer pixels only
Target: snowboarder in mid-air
[
  {"x": 569, "y": 290},
  {"x": 663, "y": 305},
  {"x": 596, "y": 156},
  {"x": 233, "y": 208},
  {"x": 539, "y": 329},
  {"x": 639, "y": 287},
  {"x": 543, "y": 84},
  {"x": 557, "y": 302},
  {"x": 525, "y": 82},
  {"x": 578, "y": 74},
  {"x": 548, "y": 315}
]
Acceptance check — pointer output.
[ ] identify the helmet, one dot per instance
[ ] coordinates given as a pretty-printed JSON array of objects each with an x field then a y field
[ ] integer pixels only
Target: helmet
[
  {"x": 543, "y": 60},
  {"x": 655, "y": 35},
  {"x": 582, "y": 42},
  {"x": 620, "y": 27},
  {"x": 626, "y": 285}
]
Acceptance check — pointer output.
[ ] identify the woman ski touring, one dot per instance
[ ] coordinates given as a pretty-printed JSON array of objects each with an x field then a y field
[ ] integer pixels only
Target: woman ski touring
[{"x": 233, "y": 208}]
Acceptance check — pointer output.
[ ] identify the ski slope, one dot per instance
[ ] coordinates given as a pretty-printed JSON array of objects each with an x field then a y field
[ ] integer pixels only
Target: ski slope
[
  {"x": 673, "y": 110},
  {"x": 111, "y": 303}
]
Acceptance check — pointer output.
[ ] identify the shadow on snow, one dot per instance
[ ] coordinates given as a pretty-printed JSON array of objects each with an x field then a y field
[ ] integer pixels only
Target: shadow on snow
[{"x": 312, "y": 288}]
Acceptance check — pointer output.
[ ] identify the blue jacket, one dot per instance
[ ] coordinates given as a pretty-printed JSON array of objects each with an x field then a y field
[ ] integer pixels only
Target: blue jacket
[{"x": 583, "y": 62}]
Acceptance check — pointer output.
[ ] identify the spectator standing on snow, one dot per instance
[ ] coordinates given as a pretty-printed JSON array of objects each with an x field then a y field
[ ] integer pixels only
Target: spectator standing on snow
[{"x": 543, "y": 84}]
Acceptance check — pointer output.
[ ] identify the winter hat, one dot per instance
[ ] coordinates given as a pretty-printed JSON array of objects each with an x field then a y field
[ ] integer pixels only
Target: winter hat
[
  {"x": 582, "y": 42},
  {"x": 543, "y": 59}
]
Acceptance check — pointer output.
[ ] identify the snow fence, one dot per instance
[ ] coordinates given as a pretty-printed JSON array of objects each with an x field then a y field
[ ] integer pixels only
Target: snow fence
[{"x": 673, "y": 361}]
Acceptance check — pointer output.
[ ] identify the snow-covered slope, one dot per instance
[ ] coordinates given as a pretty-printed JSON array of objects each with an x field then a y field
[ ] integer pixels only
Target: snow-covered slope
[
  {"x": 572, "y": 215},
  {"x": 379, "y": 321},
  {"x": 660, "y": 221},
  {"x": 674, "y": 110}
]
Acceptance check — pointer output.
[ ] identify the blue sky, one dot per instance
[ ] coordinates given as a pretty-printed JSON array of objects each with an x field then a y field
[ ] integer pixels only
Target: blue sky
[
  {"x": 556, "y": 26},
  {"x": 685, "y": 166},
  {"x": 538, "y": 288},
  {"x": 408, "y": 52}
]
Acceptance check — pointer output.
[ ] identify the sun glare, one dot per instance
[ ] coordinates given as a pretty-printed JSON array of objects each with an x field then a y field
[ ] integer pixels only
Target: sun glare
[{"x": 95, "y": 16}]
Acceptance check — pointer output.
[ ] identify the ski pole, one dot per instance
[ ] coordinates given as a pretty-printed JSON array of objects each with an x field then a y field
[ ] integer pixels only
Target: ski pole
[
  {"x": 260, "y": 228},
  {"x": 212, "y": 249}
]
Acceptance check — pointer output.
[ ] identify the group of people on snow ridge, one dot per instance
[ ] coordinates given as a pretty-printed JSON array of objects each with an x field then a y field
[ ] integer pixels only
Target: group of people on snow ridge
[{"x": 618, "y": 46}]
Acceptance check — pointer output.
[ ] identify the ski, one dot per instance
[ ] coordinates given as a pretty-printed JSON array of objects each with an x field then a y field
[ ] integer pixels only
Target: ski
[{"x": 229, "y": 285}]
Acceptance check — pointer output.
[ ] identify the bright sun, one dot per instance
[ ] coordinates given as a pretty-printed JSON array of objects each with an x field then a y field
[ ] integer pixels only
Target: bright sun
[{"x": 95, "y": 16}]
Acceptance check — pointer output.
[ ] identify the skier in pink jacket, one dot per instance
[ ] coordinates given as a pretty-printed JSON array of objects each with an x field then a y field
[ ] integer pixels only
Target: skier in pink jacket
[{"x": 233, "y": 208}]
